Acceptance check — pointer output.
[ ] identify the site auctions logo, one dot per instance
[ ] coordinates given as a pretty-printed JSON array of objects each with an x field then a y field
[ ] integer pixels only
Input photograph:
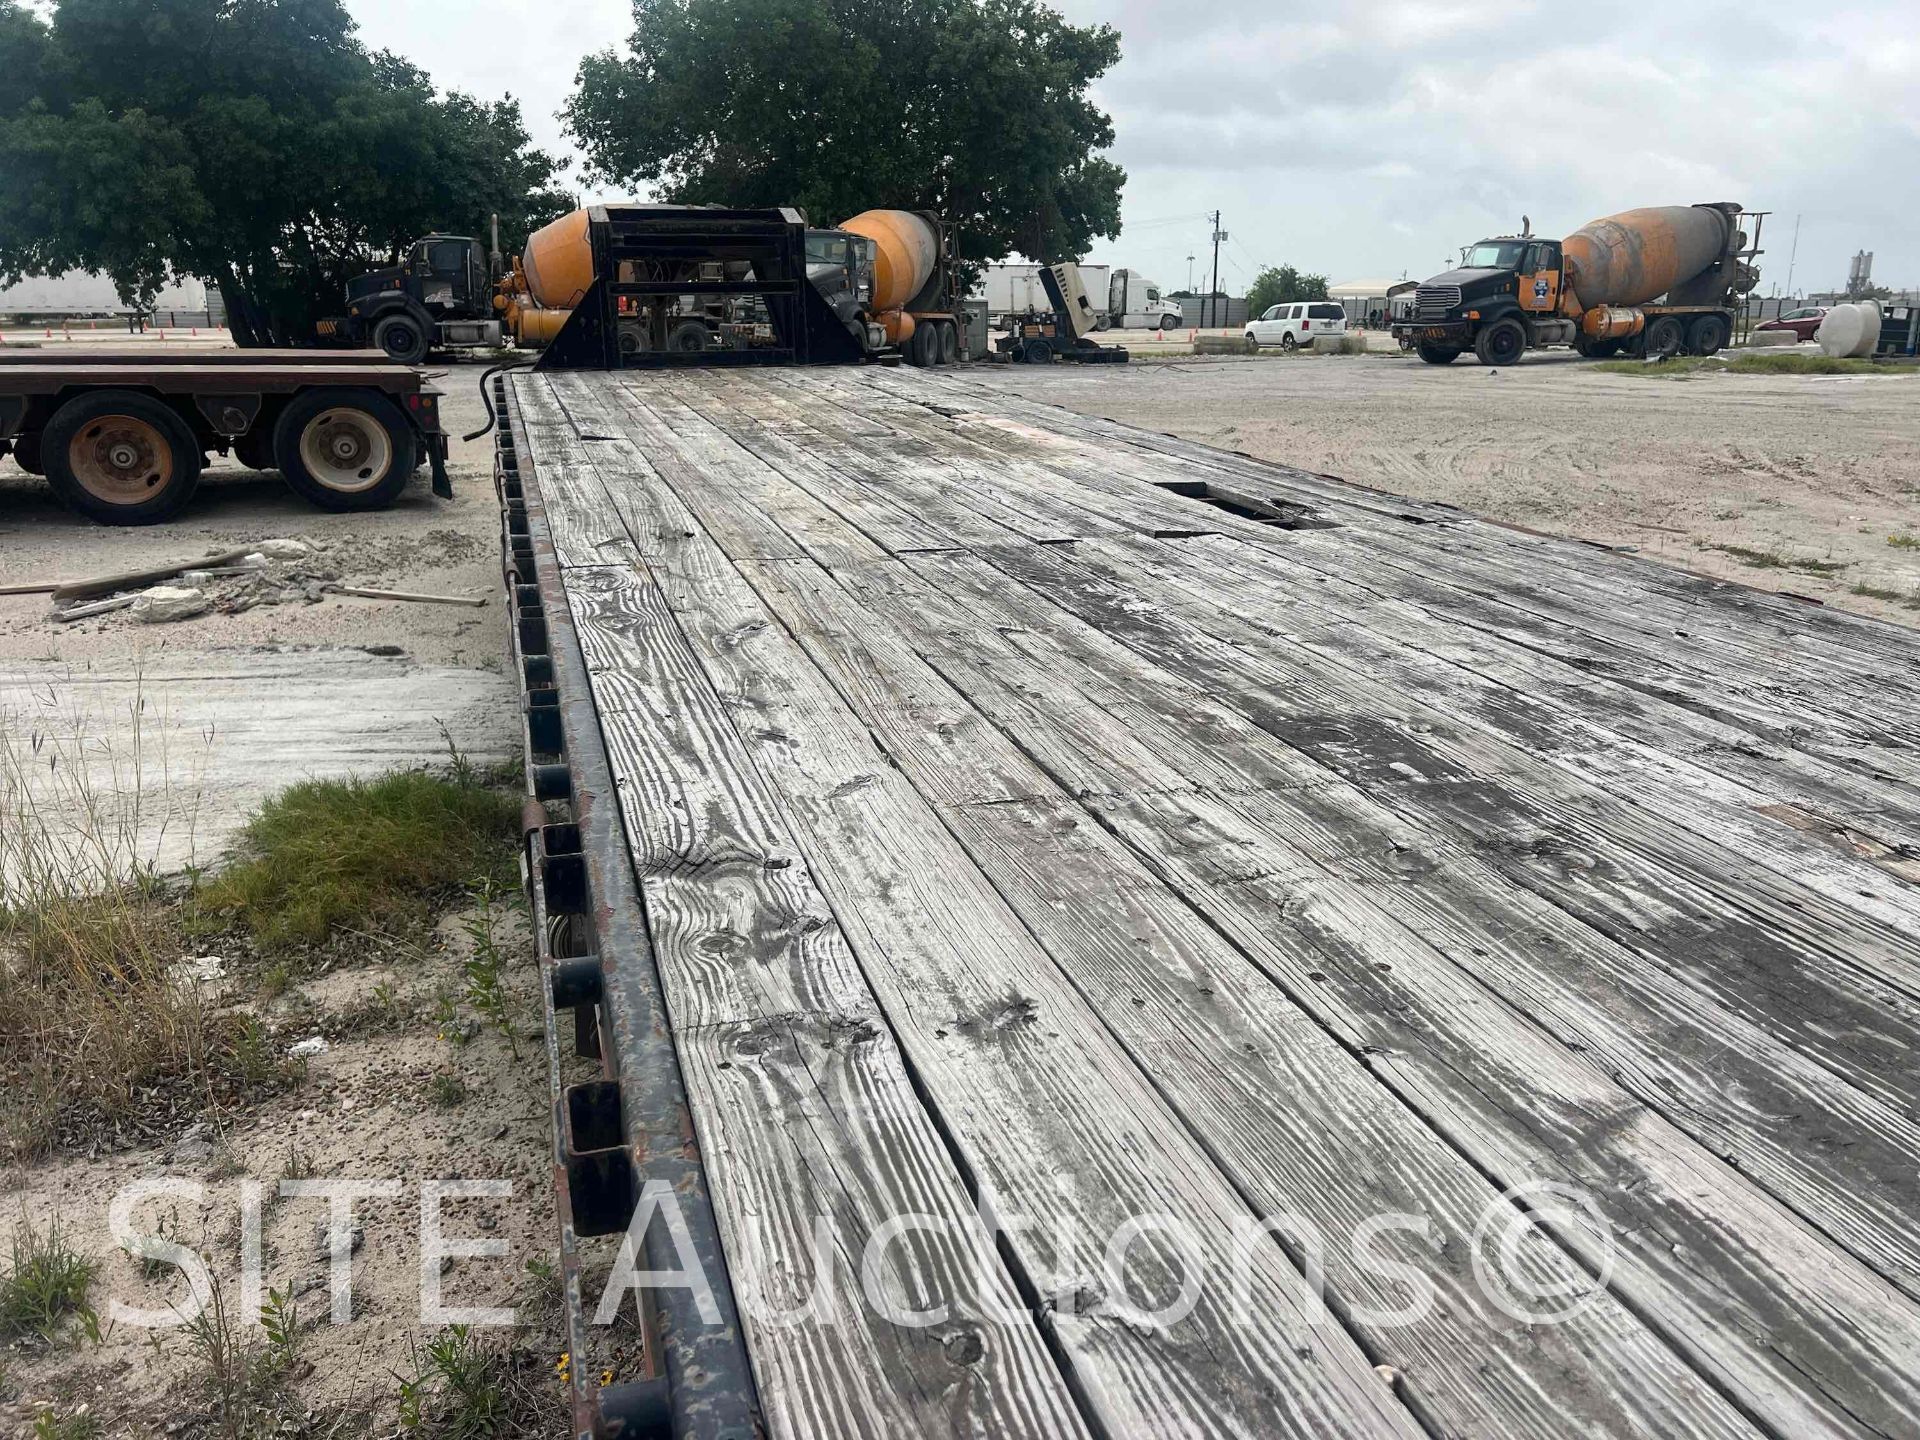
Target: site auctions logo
[{"x": 1540, "y": 1253}]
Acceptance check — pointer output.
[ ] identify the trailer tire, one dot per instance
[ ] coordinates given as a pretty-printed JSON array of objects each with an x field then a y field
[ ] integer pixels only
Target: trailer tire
[
  {"x": 1708, "y": 334},
  {"x": 403, "y": 338},
  {"x": 1437, "y": 354},
  {"x": 26, "y": 454},
  {"x": 345, "y": 449},
  {"x": 1664, "y": 337},
  {"x": 121, "y": 458},
  {"x": 1501, "y": 343}
]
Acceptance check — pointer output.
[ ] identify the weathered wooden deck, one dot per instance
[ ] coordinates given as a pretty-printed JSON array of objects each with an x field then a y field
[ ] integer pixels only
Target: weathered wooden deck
[{"x": 1033, "y": 809}]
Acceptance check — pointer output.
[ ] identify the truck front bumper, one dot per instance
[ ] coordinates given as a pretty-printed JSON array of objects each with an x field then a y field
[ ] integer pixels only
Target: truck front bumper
[{"x": 1436, "y": 332}]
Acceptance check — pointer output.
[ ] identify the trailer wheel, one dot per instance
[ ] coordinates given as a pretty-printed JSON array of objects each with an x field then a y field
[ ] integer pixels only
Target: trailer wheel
[
  {"x": 26, "y": 454},
  {"x": 1707, "y": 334},
  {"x": 121, "y": 458},
  {"x": 1664, "y": 337},
  {"x": 403, "y": 338},
  {"x": 1437, "y": 354},
  {"x": 345, "y": 449},
  {"x": 1501, "y": 343}
]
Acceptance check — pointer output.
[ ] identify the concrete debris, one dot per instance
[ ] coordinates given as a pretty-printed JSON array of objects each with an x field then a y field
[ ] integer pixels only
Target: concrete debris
[
  {"x": 164, "y": 603},
  {"x": 304, "y": 1049},
  {"x": 1850, "y": 331}
]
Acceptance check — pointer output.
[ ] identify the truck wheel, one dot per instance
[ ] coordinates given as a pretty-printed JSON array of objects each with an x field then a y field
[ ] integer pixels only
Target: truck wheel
[
  {"x": 1437, "y": 354},
  {"x": 403, "y": 338},
  {"x": 1707, "y": 334},
  {"x": 949, "y": 344},
  {"x": 345, "y": 449},
  {"x": 1501, "y": 343},
  {"x": 1037, "y": 352},
  {"x": 26, "y": 454},
  {"x": 689, "y": 337},
  {"x": 632, "y": 336},
  {"x": 121, "y": 458},
  {"x": 1664, "y": 337}
]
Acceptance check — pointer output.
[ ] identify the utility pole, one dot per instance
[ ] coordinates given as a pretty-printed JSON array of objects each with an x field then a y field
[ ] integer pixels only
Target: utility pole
[
  {"x": 1213, "y": 296},
  {"x": 1793, "y": 255}
]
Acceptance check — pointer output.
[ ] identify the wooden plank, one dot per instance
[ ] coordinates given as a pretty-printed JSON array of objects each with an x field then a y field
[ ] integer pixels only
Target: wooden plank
[
  {"x": 1680, "y": 1053},
  {"x": 1799, "y": 817},
  {"x": 1782, "y": 639},
  {"x": 1014, "y": 1064},
  {"x": 1224, "y": 1046},
  {"x": 1834, "y": 984},
  {"x": 1025, "y": 1082},
  {"x": 863, "y": 681},
  {"x": 805, "y": 1111},
  {"x": 1417, "y": 982}
]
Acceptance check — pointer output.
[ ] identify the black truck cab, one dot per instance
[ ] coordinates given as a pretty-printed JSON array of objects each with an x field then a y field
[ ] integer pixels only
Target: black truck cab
[
  {"x": 1515, "y": 278},
  {"x": 405, "y": 309}
]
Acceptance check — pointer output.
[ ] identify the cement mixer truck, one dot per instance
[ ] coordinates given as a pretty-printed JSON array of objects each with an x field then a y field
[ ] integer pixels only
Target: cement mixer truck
[{"x": 1655, "y": 282}]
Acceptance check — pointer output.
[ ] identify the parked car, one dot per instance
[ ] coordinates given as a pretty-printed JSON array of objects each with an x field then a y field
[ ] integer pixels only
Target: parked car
[
  {"x": 1290, "y": 326},
  {"x": 1803, "y": 322}
]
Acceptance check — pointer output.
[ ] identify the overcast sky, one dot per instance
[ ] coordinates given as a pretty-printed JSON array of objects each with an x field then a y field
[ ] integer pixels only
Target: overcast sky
[{"x": 1366, "y": 138}]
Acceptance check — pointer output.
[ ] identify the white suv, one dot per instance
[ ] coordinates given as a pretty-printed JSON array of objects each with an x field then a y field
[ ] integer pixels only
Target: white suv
[{"x": 1291, "y": 326}]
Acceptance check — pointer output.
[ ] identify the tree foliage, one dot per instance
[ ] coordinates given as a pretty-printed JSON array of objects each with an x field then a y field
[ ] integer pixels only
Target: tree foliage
[
  {"x": 255, "y": 144},
  {"x": 975, "y": 109},
  {"x": 1282, "y": 285}
]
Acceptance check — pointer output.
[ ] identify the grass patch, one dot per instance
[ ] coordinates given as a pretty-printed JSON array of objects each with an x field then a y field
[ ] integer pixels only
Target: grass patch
[
  {"x": 329, "y": 856},
  {"x": 242, "y": 1373},
  {"x": 1904, "y": 542},
  {"x": 1684, "y": 365},
  {"x": 1774, "y": 560},
  {"x": 46, "y": 1283},
  {"x": 1888, "y": 594}
]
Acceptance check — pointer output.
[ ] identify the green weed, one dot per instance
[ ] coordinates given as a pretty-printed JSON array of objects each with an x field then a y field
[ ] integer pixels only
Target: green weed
[
  {"x": 329, "y": 855},
  {"x": 459, "y": 1392},
  {"x": 46, "y": 1283}
]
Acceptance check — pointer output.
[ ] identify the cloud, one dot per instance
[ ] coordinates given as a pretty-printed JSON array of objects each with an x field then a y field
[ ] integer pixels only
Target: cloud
[{"x": 1368, "y": 137}]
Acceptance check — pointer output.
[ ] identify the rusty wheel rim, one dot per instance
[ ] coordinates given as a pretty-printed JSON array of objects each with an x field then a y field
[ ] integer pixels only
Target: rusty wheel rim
[
  {"x": 346, "y": 450},
  {"x": 121, "y": 459}
]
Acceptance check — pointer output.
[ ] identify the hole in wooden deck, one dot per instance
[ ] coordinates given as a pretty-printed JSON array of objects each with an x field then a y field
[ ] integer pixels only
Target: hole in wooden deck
[{"x": 1281, "y": 514}]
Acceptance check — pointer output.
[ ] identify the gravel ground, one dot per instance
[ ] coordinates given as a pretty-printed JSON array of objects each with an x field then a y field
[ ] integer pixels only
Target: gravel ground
[{"x": 1806, "y": 483}]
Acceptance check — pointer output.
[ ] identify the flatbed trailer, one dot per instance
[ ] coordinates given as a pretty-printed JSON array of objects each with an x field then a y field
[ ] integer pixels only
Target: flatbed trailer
[
  {"x": 1046, "y": 894},
  {"x": 122, "y": 435}
]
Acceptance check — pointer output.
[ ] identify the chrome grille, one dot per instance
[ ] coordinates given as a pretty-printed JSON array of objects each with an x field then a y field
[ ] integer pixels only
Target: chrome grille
[{"x": 1432, "y": 302}]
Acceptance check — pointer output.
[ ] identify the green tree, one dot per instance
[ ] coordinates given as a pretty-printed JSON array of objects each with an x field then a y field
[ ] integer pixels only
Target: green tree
[
  {"x": 254, "y": 144},
  {"x": 1282, "y": 285},
  {"x": 975, "y": 109}
]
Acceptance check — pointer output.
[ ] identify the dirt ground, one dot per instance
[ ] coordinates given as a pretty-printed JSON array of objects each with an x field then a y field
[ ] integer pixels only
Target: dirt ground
[{"x": 1805, "y": 483}]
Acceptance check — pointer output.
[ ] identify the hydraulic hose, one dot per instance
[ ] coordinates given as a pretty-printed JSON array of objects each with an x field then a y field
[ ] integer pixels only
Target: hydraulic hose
[{"x": 486, "y": 397}]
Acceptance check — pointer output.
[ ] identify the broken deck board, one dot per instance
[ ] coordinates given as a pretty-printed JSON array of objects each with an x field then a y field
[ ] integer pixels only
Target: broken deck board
[{"x": 1090, "y": 872}]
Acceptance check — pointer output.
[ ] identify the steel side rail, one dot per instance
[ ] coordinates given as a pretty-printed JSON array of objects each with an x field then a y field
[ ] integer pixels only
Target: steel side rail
[{"x": 613, "y": 1135}]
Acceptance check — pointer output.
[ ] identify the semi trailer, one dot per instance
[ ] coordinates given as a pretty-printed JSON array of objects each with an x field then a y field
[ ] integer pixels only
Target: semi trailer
[
  {"x": 122, "y": 436},
  {"x": 1652, "y": 282}
]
